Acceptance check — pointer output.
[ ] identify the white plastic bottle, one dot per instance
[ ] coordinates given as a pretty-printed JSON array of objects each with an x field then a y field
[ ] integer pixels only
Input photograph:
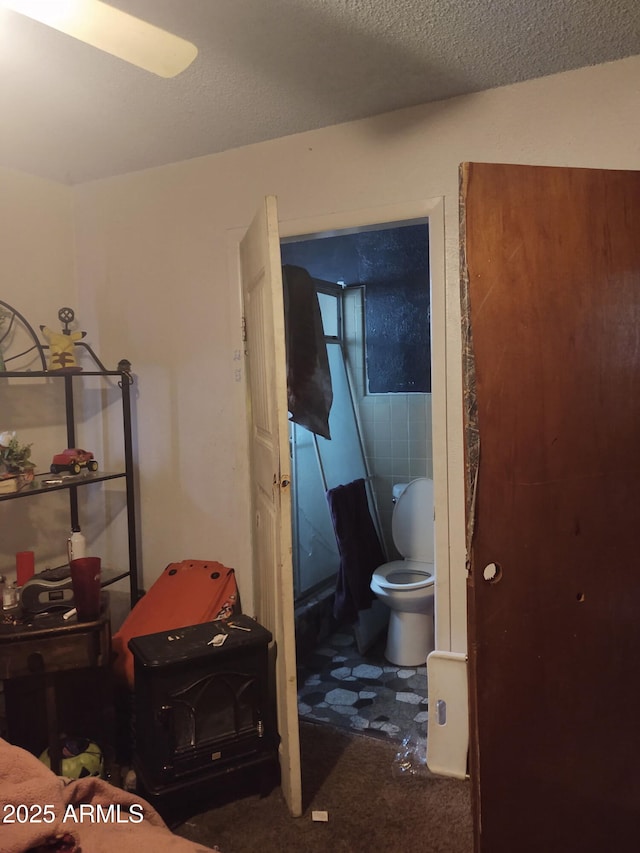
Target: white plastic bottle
[{"x": 76, "y": 546}]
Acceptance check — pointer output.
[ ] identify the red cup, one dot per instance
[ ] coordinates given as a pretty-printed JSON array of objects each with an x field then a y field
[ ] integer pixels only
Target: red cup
[
  {"x": 25, "y": 566},
  {"x": 85, "y": 580}
]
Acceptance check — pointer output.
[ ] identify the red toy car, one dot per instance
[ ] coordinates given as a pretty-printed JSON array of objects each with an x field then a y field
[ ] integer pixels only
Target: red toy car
[{"x": 73, "y": 459}]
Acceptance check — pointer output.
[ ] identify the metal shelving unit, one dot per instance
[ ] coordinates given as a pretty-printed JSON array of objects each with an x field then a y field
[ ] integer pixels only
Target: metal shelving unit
[{"x": 75, "y": 483}]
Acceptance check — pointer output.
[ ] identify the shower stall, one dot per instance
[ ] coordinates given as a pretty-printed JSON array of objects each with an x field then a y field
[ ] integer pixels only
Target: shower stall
[
  {"x": 319, "y": 464},
  {"x": 373, "y": 287}
]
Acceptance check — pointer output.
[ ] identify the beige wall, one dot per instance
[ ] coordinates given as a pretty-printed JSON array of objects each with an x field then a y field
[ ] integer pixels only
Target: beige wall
[
  {"x": 36, "y": 245},
  {"x": 37, "y": 258},
  {"x": 153, "y": 253}
]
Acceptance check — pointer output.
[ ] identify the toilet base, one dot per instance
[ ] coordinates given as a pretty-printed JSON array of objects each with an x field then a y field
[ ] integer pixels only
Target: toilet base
[{"x": 410, "y": 638}]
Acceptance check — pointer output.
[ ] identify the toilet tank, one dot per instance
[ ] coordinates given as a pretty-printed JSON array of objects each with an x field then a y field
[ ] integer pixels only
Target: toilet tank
[
  {"x": 412, "y": 522},
  {"x": 398, "y": 489}
]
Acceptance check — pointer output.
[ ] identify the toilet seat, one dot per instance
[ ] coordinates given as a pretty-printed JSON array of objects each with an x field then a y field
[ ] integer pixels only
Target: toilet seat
[{"x": 404, "y": 575}]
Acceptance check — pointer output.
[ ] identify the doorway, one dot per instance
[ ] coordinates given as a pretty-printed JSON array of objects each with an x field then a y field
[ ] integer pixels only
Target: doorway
[
  {"x": 258, "y": 274},
  {"x": 450, "y": 615},
  {"x": 374, "y": 289}
]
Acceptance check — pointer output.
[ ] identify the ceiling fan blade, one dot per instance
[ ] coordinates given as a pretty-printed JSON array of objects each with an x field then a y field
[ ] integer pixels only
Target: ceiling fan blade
[{"x": 113, "y": 31}]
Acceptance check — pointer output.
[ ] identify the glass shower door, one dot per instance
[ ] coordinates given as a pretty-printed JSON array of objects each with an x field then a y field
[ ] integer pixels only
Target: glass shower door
[{"x": 320, "y": 464}]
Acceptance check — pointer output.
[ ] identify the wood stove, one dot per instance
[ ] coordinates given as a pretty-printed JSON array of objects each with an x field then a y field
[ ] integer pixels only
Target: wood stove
[{"x": 204, "y": 713}]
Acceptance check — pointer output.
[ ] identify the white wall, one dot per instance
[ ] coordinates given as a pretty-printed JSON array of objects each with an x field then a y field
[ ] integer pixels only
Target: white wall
[
  {"x": 155, "y": 286},
  {"x": 36, "y": 246},
  {"x": 37, "y": 259}
]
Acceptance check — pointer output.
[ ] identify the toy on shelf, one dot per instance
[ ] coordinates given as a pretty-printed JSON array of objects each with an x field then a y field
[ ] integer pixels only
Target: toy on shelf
[
  {"x": 62, "y": 344},
  {"x": 21, "y": 350},
  {"x": 73, "y": 459}
]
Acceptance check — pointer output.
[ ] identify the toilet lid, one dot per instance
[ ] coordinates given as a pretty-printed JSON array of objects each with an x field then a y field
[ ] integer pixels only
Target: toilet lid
[{"x": 412, "y": 521}]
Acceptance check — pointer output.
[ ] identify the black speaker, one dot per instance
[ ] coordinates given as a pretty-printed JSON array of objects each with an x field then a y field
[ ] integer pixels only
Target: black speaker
[{"x": 48, "y": 590}]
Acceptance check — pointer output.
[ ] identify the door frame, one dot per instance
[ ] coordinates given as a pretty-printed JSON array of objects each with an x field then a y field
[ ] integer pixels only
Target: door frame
[{"x": 450, "y": 598}]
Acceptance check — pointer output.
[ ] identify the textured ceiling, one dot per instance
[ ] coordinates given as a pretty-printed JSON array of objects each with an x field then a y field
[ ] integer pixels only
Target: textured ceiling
[{"x": 268, "y": 68}]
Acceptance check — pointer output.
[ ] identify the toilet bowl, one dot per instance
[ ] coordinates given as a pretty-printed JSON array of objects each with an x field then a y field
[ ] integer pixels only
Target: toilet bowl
[{"x": 407, "y": 586}]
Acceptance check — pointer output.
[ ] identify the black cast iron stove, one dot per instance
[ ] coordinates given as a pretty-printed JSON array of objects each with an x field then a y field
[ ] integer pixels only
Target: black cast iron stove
[{"x": 204, "y": 712}]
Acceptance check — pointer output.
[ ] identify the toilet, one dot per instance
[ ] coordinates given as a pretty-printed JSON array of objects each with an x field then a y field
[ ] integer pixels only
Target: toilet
[{"x": 407, "y": 586}]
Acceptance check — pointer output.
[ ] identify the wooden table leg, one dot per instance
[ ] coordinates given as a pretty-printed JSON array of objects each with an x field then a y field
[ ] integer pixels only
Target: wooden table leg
[{"x": 53, "y": 733}]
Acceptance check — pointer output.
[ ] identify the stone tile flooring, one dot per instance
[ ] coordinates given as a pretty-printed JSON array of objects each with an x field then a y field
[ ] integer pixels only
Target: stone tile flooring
[{"x": 338, "y": 686}]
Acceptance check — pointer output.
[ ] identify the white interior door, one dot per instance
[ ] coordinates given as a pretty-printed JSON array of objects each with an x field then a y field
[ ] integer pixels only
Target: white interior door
[{"x": 270, "y": 476}]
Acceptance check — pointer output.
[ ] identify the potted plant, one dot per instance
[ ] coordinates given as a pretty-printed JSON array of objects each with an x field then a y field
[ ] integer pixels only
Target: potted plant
[{"x": 16, "y": 467}]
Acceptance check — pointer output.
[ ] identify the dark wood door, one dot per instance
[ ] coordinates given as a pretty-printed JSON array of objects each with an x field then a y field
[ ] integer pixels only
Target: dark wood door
[{"x": 551, "y": 317}]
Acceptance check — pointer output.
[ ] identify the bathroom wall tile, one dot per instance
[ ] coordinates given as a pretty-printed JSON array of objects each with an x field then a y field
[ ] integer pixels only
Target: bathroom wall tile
[
  {"x": 428, "y": 425},
  {"x": 399, "y": 402},
  {"x": 369, "y": 431},
  {"x": 416, "y": 404},
  {"x": 382, "y": 447},
  {"x": 400, "y": 447},
  {"x": 382, "y": 402},
  {"x": 419, "y": 449},
  {"x": 382, "y": 417},
  {"x": 366, "y": 409},
  {"x": 382, "y": 481},
  {"x": 385, "y": 483},
  {"x": 401, "y": 468},
  {"x": 368, "y": 444},
  {"x": 382, "y": 428},
  {"x": 418, "y": 468},
  {"x": 418, "y": 430},
  {"x": 384, "y": 466},
  {"x": 366, "y": 418},
  {"x": 399, "y": 415}
]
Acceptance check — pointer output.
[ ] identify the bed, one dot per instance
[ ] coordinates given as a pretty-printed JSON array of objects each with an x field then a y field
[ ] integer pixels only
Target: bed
[{"x": 44, "y": 813}]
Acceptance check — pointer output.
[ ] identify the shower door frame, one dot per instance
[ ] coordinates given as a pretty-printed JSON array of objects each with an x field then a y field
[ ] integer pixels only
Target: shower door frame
[{"x": 337, "y": 291}]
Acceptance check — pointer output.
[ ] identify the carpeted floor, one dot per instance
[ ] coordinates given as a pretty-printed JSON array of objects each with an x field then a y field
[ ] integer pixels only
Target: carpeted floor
[{"x": 371, "y": 804}]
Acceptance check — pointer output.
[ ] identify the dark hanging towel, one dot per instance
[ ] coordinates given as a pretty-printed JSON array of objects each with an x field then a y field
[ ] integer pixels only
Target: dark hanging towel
[
  {"x": 309, "y": 388},
  {"x": 359, "y": 547}
]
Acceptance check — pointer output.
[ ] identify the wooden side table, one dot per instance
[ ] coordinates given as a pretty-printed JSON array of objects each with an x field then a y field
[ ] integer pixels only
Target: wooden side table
[{"x": 56, "y": 676}]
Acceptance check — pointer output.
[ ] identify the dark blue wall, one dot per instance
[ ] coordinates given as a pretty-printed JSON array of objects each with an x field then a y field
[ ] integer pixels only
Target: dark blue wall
[{"x": 393, "y": 266}]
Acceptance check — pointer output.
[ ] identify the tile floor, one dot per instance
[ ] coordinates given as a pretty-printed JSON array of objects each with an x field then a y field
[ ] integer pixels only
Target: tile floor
[{"x": 338, "y": 686}]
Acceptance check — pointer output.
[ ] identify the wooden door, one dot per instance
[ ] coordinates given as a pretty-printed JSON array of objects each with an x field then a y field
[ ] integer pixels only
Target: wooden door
[
  {"x": 551, "y": 308},
  {"x": 270, "y": 474}
]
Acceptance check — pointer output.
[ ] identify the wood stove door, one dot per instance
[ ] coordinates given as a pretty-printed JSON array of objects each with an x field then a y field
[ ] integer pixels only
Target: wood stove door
[{"x": 270, "y": 477}]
